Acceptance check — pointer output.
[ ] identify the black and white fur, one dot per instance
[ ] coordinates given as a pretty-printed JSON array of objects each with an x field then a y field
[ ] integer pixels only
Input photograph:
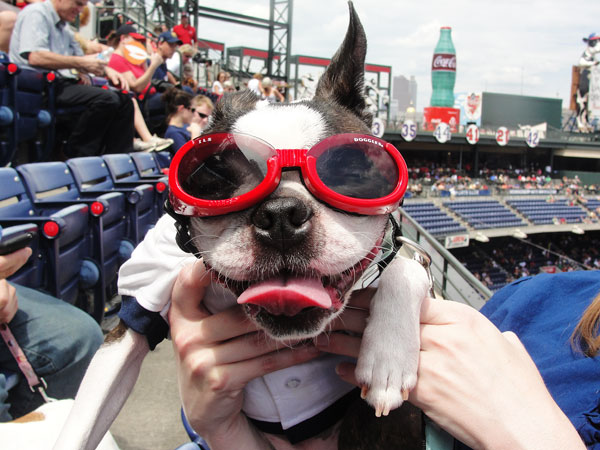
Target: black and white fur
[{"x": 240, "y": 247}]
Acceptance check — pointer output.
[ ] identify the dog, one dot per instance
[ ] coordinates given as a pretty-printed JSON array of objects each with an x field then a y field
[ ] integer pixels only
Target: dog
[{"x": 278, "y": 241}]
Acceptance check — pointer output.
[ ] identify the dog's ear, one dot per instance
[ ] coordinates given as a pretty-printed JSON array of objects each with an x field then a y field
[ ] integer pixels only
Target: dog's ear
[{"x": 343, "y": 81}]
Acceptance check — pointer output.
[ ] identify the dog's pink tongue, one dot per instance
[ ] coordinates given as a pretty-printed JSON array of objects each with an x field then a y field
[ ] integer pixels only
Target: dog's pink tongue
[{"x": 287, "y": 297}]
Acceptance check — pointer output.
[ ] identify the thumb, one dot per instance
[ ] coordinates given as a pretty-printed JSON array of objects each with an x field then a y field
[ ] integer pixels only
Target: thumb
[
  {"x": 188, "y": 293},
  {"x": 442, "y": 312}
]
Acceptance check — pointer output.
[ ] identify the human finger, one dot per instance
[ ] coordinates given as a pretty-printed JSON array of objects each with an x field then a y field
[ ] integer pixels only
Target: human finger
[
  {"x": 249, "y": 346},
  {"x": 188, "y": 292},
  {"x": 237, "y": 375},
  {"x": 351, "y": 320},
  {"x": 339, "y": 343},
  {"x": 12, "y": 262},
  {"x": 361, "y": 298},
  {"x": 346, "y": 371}
]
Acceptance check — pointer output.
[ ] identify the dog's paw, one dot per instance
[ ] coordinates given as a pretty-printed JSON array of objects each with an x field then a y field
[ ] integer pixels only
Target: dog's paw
[{"x": 386, "y": 382}]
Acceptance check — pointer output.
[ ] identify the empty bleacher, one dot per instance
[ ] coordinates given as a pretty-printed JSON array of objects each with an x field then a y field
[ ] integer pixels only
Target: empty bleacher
[
  {"x": 481, "y": 214},
  {"x": 541, "y": 212},
  {"x": 433, "y": 219}
]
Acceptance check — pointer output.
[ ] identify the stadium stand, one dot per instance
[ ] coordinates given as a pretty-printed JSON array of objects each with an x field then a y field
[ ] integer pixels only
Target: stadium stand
[
  {"x": 540, "y": 211},
  {"x": 482, "y": 214},
  {"x": 433, "y": 219}
]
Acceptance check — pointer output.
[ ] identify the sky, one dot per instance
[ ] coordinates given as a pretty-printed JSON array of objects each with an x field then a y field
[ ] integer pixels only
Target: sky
[{"x": 507, "y": 46}]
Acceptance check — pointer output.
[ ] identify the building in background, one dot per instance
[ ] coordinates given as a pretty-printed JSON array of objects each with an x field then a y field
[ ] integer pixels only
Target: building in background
[{"x": 404, "y": 92}]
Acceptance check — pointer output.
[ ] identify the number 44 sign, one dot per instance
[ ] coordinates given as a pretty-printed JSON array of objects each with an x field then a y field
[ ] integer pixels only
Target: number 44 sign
[
  {"x": 472, "y": 134},
  {"x": 442, "y": 133}
]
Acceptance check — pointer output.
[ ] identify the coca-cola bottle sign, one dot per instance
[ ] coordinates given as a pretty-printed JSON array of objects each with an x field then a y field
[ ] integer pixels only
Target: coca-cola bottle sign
[{"x": 444, "y": 61}]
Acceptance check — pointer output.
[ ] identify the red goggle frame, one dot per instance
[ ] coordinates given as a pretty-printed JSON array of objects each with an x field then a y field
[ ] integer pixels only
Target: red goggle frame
[{"x": 221, "y": 173}]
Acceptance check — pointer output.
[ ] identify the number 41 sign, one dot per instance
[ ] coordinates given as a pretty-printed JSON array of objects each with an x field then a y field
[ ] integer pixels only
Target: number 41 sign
[{"x": 472, "y": 134}]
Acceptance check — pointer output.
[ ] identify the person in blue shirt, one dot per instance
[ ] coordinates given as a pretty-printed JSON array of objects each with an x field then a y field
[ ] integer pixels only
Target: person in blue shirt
[
  {"x": 180, "y": 115},
  {"x": 477, "y": 380}
]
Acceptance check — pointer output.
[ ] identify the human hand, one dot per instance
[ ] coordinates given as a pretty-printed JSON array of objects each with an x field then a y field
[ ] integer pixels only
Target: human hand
[
  {"x": 8, "y": 302},
  {"x": 155, "y": 59},
  {"x": 12, "y": 262},
  {"x": 467, "y": 365},
  {"x": 217, "y": 355},
  {"x": 195, "y": 130},
  {"x": 92, "y": 64},
  {"x": 117, "y": 78}
]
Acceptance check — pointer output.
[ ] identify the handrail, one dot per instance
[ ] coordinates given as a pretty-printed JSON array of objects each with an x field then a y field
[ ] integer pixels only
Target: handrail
[{"x": 451, "y": 278}]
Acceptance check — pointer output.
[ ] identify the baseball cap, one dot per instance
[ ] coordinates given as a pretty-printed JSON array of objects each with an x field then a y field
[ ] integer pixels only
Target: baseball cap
[
  {"x": 131, "y": 31},
  {"x": 169, "y": 36},
  {"x": 184, "y": 14}
]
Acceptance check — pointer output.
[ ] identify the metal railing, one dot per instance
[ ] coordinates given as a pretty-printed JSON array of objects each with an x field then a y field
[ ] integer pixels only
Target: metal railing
[{"x": 451, "y": 279}]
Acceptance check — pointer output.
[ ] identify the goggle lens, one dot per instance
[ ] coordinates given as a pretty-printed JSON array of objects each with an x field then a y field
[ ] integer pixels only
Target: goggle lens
[
  {"x": 225, "y": 170},
  {"x": 358, "y": 171}
]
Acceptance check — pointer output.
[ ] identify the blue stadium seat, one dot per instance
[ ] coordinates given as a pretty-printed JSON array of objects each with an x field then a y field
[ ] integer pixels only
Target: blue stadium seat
[
  {"x": 8, "y": 124},
  {"x": 51, "y": 184},
  {"x": 68, "y": 272},
  {"x": 147, "y": 166},
  {"x": 122, "y": 169},
  {"x": 92, "y": 177}
]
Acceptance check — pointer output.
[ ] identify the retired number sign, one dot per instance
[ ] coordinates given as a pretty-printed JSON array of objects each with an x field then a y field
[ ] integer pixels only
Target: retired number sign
[
  {"x": 442, "y": 133},
  {"x": 502, "y": 137},
  {"x": 533, "y": 138},
  {"x": 472, "y": 134},
  {"x": 409, "y": 130}
]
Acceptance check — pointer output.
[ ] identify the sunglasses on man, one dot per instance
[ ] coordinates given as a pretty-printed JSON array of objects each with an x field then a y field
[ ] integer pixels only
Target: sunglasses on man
[{"x": 194, "y": 110}]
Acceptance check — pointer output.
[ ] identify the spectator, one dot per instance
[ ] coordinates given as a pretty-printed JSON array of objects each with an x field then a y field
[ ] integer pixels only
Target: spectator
[
  {"x": 138, "y": 75},
  {"x": 180, "y": 113},
  {"x": 217, "y": 87},
  {"x": 185, "y": 31},
  {"x": 179, "y": 59},
  {"x": 58, "y": 339},
  {"x": 106, "y": 124},
  {"x": 255, "y": 84},
  {"x": 202, "y": 108},
  {"x": 166, "y": 48}
]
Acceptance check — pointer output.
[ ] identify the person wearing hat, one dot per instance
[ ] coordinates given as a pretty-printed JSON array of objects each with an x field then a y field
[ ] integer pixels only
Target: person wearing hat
[
  {"x": 185, "y": 31},
  {"x": 166, "y": 47},
  {"x": 43, "y": 41},
  {"x": 131, "y": 59}
]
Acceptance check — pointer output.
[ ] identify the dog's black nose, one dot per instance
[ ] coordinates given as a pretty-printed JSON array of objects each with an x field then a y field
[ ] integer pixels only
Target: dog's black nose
[{"x": 283, "y": 222}]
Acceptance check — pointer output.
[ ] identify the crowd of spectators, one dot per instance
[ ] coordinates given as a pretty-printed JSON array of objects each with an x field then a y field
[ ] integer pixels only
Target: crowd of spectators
[
  {"x": 505, "y": 259},
  {"x": 139, "y": 68}
]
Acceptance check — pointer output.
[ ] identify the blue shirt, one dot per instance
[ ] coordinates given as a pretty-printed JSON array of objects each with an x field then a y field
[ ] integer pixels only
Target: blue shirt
[
  {"x": 39, "y": 28},
  {"x": 180, "y": 135},
  {"x": 543, "y": 311}
]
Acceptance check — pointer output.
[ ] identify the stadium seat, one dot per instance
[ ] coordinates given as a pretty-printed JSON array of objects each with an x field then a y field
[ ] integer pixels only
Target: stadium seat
[
  {"x": 123, "y": 171},
  {"x": 65, "y": 241},
  {"x": 92, "y": 177},
  {"x": 33, "y": 121},
  {"x": 8, "y": 124},
  {"x": 147, "y": 166},
  {"x": 52, "y": 184}
]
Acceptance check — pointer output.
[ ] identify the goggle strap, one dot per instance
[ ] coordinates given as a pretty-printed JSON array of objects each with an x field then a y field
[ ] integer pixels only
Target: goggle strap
[{"x": 182, "y": 224}]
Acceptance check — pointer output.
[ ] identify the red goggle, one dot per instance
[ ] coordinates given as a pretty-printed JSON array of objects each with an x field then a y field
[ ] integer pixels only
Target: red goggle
[{"x": 221, "y": 173}]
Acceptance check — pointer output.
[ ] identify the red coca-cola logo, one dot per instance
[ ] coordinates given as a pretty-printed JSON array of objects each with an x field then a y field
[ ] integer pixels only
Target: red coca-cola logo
[{"x": 444, "y": 61}]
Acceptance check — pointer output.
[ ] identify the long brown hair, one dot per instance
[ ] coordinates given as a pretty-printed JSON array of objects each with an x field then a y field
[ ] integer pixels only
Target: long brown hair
[{"x": 586, "y": 336}]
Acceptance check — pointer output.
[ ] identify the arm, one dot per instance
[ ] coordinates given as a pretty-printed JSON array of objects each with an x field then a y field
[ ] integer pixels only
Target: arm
[
  {"x": 217, "y": 355},
  {"x": 487, "y": 375},
  {"x": 139, "y": 84},
  {"x": 49, "y": 60}
]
